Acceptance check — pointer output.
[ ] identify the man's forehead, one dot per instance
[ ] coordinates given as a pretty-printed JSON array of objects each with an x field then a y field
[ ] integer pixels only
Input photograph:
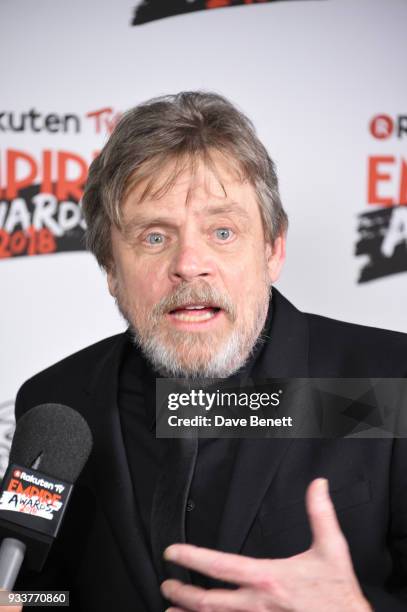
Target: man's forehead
[
  {"x": 184, "y": 175},
  {"x": 201, "y": 192}
]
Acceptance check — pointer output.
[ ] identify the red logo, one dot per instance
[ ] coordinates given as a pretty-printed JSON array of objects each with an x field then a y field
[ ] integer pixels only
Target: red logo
[
  {"x": 17, "y": 473},
  {"x": 381, "y": 126}
]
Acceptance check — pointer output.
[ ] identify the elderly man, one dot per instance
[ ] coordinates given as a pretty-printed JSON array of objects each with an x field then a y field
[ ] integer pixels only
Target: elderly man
[{"x": 184, "y": 215}]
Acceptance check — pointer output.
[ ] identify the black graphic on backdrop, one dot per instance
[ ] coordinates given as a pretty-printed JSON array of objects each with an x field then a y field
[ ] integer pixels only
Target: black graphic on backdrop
[
  {"x": 150, "y": 10},
  {"x": 36, "y": 223},
  {"x": 383, "y": 237}
]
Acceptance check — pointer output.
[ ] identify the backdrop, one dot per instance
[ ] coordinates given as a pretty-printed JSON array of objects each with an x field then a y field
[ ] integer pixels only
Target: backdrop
[{"x": 323, "y": 81}]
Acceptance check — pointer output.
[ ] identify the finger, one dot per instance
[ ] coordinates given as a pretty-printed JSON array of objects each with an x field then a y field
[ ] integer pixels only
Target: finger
[
  {"x": 326, "y": 531},
  {"x": 220, "y": 600},
  {"x": 221, "y": 566}
]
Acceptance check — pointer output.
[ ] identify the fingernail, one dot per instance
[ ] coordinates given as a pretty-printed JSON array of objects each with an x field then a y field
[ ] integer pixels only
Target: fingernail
[
  {"x": 170, "y": 553},
  {"x": 163, "y": 588},
  {"x": 322, "y": 489}
]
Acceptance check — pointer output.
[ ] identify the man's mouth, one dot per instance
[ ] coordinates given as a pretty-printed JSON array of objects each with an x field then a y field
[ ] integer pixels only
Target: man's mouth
[{"x": 193, "y": 313}]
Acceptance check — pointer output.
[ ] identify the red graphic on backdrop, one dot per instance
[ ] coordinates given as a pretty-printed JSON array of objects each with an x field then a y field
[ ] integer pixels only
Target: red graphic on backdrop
[
  {"x": 382, "y": 232},
  {"x": 41, "y": 168},
  {"x": 384, "y": 126},
  {"x": 381, "y": 126},
  {"x": 39, "y": 203},
  {"x": 387, "y": 180},
  {"x": 104, "y": 119}
]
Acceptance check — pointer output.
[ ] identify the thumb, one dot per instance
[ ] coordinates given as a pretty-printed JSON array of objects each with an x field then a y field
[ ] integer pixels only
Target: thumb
[{"x": 326, "y": 531}]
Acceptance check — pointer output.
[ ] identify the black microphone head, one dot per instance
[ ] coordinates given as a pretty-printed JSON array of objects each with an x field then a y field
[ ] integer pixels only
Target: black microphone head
[{"x": 53, "y": 439}]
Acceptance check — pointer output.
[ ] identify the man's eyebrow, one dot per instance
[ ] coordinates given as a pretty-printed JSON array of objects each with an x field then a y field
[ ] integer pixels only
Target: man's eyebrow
[
  {"x": 232, "y": 207},
  {"x": 142, "y": 222},
  {"x": 139, "y": 223}
]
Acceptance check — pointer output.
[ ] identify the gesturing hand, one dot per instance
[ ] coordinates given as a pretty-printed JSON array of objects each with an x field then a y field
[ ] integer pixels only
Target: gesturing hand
[{"x": 319, "y": 579}]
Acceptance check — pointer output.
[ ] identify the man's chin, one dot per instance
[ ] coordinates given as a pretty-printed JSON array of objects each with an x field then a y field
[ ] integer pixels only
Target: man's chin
[{"x": 191, "y": 355}]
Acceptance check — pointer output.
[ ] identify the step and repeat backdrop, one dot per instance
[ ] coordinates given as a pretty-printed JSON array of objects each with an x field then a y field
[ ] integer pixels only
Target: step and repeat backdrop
[{"x": 323, "y": 81}]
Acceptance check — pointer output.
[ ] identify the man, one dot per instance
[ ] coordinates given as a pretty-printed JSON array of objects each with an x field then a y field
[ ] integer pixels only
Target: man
[{"x": 183, "y": 213}]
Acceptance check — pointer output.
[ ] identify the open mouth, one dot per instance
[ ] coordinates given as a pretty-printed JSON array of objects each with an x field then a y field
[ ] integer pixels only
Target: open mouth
[{"x": 195, "y": 313}]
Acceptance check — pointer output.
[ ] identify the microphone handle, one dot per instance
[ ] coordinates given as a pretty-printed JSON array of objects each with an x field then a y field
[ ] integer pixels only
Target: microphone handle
[{"x": 12, "y": 553}]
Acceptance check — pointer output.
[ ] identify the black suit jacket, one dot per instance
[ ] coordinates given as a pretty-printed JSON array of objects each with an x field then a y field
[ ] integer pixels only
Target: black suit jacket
[{"x": 101, "y": 555}]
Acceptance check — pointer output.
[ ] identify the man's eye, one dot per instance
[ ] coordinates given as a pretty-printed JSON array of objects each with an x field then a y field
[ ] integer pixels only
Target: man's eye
[
  {"x": 223, "y": 233},
  {"x": 155, "y": 238}
]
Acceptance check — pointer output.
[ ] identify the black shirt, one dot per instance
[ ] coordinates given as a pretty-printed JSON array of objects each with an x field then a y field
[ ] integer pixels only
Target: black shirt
[{"x": 215, "y": 460}]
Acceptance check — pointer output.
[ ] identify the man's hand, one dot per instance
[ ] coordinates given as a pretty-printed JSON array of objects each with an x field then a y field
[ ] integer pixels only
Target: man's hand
[
  {"x": 16, "y": 608},
  {"x": 320, "y": 579}
]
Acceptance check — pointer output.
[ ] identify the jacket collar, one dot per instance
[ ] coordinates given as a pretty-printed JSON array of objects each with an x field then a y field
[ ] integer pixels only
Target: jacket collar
[
  {"x": 284, "y": 356},
  {"x": 112, "y": 480}
]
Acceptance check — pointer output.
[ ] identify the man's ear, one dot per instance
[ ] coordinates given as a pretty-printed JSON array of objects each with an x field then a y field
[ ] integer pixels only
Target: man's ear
[
  {"x": 275, "y": 256},
  {"x": 111, "y": 280}
]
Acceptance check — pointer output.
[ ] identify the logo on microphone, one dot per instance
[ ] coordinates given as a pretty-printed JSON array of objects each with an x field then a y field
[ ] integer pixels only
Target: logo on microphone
[
  {"x": 33, "y": 499},
  {"x": 30, "y": 493}
]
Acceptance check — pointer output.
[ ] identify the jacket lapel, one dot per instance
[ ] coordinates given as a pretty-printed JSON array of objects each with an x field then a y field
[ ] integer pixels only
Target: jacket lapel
[
  {"x": 112, "y": 480},
  {"x": 284, "y": 356}
]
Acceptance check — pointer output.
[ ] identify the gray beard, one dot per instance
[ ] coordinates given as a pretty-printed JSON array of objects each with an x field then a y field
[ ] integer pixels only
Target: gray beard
[{"x": 233, "y": 354}]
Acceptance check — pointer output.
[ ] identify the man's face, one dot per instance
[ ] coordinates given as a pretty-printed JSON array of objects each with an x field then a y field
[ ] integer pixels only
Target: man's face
[{"x": 192, "y": 271}]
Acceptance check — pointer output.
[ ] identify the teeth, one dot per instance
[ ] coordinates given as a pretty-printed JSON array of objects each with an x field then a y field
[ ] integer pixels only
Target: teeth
[
  {"x": 195, "y": 317},
  {"x": 194, "y": 307}
]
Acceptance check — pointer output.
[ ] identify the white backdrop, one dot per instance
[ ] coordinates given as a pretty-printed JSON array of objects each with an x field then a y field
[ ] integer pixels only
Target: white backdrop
[{"x": 311, "y": 75}]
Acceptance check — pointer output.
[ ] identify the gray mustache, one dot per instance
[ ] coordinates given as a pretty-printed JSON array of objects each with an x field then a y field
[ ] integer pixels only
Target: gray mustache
[{"x": 195, "y": 294}]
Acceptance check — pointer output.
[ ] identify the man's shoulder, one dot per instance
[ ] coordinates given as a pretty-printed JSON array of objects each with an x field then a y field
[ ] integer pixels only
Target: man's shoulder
[
  {"x": 346, "y": 329},
  {"x": 358, "y": 345},
  {"x": 74, "y": 371},
  {"x": 80, "y": 360}
]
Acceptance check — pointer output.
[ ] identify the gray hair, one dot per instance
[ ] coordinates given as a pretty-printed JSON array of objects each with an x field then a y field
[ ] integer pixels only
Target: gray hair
[{"x": 183, "y": 128}]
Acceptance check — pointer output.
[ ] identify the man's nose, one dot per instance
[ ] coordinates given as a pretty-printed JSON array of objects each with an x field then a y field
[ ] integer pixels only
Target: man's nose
[{"x": 191, "y": 261}]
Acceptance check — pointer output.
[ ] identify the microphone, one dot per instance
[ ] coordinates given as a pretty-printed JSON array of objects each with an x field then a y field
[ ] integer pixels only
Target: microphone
[{"x": 50, "y": 447}]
